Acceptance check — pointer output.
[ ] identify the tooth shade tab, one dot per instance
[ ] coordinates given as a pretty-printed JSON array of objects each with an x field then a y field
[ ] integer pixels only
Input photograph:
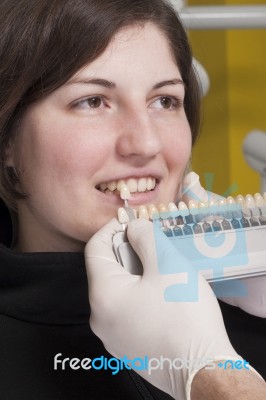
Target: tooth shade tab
[
  {"x": 213, "y": 203},
  {"x": 230, "y": 200},
  {"x": 143, "y": 213},
  {"x": 222, "y": 202},
  {"x": 192, "y": 204},
  {"x": 242, "y": 203},
  {"x": 173, "y": 210},
  {"x": 124, "y": 192},
  {"x": 183, "y": 209},
  {"x": 164, "y": 212},
  {"x": 232, "y": 204},
  {"x": 250, "y": 202},
  {"x": 162, "y": 208},
  {"x": 153, "y": 212},
  {"x": 172, "y": 207},
  {"x": 202, "y": 205},
  {"x": 193, "y": 207},
  {"x": 240, "y": 200},
  {"x": 260, "y": 203},
  {"x": 213, "y": 207},
  {"x": 123, "y": 217},
  {"x": 259, "y": 200},
  {"x": 223, "y": 207}
]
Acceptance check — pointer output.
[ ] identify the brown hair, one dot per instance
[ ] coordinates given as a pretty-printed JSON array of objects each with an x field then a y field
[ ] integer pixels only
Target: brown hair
[{"x": 43, "y": 43}]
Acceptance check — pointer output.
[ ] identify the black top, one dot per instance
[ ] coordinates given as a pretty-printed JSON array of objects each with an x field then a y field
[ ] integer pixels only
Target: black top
[{"x": 44, "y": 311}]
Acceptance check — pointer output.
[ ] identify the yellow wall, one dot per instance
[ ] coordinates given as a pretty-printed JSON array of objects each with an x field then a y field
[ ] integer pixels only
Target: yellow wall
[{"x": 235, "y": 104}]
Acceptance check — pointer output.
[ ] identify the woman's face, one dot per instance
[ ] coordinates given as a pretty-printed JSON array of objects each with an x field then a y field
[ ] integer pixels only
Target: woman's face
[{"x": 119, "y": 118}]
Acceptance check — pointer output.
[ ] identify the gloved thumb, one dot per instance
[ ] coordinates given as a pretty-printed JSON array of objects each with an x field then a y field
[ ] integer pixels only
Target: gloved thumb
[
  {"x": 105, "y": 275},
  {"x": 192, "y": 190},
  {"x": 141, "y": 237},
  {"x": 157, "y": 253},
  {"x": 99, "y": 256}
]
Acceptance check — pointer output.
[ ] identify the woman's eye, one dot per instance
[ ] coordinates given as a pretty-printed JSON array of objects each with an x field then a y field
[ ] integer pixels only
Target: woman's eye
[
  {"x": 90, "y": 103},
  {"x": 166, "y": 103},
  {"x": 95, "y": 102}
]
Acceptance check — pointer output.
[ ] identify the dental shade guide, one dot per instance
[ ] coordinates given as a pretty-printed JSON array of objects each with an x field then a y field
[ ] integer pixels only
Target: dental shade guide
[
  {"x": 122, "y": 249},
  {"x": 125, "y": 195},
  {"x": 197, "y": 223}
]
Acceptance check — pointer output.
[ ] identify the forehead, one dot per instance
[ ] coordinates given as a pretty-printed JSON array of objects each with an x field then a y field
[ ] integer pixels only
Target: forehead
[{"x": 135, "y": 49}]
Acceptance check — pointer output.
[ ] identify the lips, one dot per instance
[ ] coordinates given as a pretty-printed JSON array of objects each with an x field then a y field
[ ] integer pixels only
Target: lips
[{"x": 135, "y": 185}]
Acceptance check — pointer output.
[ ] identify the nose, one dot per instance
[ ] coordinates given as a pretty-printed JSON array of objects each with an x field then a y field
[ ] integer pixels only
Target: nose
[{"x": 138, "y": 136}]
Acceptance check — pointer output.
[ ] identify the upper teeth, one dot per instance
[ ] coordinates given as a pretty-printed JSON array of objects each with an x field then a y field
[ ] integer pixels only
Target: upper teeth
[{"x": 134, "y": 185}]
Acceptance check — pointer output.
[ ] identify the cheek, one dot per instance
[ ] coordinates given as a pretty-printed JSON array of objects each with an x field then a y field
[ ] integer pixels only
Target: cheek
[
  {"x": 178, "y": 147},
  {"x": 78, "y": 158},
  {"x": 82, "y": 150},
  {"x": 57, "y": 153}
]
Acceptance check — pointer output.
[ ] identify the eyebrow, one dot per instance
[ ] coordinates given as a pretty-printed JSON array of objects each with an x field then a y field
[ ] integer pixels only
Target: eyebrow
[
  {"x": 168, "y": 83},
  {"x": 111, "y": 85},
  {"x": 93, "y": 81}
]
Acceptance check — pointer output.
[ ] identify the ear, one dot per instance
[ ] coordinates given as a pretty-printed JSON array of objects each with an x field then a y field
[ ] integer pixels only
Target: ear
[{"x": 10, "y": 155}]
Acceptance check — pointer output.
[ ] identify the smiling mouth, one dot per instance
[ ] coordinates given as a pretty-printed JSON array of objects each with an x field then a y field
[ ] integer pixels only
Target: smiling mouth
[{"x": 140, "y": 185}]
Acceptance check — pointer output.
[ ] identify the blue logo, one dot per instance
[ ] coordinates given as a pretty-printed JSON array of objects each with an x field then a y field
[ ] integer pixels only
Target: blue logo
[
  {"x": 209, "y": 250},
  {"x": 234, "y": 364}
]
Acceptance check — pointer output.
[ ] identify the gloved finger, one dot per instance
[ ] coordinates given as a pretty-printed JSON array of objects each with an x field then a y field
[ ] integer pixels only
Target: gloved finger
[
  {"x": 101, "y": 244},
  {"x": 254, "y": 302},
  {"x": 192, "y": 190},
  {"x": 155, "y": 250},
  {"x": 100, "y": 260},
  {"x": 141, "y": 237},
  {"x": 107, "y": 279}
]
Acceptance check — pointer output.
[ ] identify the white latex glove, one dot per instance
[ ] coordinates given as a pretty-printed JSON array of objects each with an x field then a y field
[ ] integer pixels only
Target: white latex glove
[
  {"x": 192, "y": 189},
  {"x": 132, "y": 318},
  {"x": 255, "y": 301}
]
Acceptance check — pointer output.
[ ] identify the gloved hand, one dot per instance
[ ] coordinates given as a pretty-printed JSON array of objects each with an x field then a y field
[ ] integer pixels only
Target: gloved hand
[
  {"x": 132, "y": 318},
  {"x": 255, "y": 301},
  {"x": 192, "y": 190}
]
